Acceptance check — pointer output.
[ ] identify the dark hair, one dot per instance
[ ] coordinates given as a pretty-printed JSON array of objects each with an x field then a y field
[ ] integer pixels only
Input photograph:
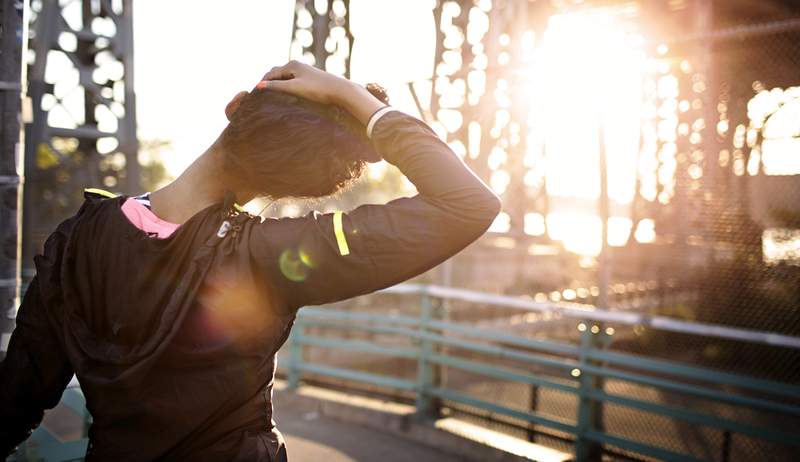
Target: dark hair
[{"x": 281, "y": 145}]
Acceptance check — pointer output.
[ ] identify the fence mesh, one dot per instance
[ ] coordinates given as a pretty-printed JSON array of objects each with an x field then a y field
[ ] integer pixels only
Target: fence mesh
[{"x": 714, "y": 234}]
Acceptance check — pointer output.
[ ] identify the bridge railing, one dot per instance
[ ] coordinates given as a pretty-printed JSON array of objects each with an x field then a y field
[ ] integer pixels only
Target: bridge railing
[
  {"x": 581, "y": 369},
  {"x": 47, "y": 445}
]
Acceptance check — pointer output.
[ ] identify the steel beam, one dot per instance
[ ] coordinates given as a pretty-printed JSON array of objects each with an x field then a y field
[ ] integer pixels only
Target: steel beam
[{"x": 84, "y": 112}]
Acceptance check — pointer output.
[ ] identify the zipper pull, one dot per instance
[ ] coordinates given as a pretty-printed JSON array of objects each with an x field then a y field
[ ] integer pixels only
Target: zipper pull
[{"x": 223, "y": 229}]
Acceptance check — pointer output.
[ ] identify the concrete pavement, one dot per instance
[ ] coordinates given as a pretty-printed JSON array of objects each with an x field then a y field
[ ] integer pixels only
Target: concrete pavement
[{"x": 311, "y": 436}]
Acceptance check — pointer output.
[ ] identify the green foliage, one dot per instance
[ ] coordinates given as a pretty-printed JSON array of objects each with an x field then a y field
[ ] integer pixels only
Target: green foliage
[{"x": 154, "y": 174}]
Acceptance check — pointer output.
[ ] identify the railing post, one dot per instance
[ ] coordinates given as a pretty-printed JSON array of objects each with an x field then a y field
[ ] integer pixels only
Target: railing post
[
  {"x": 295, "y": 354},
  {"x": 427, "y": 407},
  {"x": 589, "y": 410},
  {"x": 533, "y": 405},
  {"x": 726, "y": 446}
]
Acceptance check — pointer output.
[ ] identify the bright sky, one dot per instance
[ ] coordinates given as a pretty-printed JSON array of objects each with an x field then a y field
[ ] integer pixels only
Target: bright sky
[{"x": 191, "y": 57}]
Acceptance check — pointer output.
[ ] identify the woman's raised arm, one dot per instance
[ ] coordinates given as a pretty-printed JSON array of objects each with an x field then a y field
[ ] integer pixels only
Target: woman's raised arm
[{"x": 322, "y": 258}]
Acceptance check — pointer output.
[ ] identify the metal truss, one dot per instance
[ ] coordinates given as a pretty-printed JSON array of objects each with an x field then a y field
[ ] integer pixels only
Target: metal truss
[
  {"x": 84, "y": 118},
  {"x": 12, "y": 29},
  {"x": 321, "y": 35}
]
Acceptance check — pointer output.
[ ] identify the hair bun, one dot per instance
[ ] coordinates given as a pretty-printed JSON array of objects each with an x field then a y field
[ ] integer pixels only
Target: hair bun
[{"x": 378, "y": 92}]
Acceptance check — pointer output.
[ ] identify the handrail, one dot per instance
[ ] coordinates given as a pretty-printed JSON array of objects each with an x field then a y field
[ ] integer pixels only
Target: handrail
[
  {"x": 591, "y": 312},
  {"x": 578, "y": 370}
]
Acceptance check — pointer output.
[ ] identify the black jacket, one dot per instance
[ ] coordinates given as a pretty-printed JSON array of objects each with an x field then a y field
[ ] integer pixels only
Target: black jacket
[{"x": 174, "y": 340}]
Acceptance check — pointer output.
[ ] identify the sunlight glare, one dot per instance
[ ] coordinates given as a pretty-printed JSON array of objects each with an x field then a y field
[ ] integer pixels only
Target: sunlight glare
[{"x": 588, "y": 72}]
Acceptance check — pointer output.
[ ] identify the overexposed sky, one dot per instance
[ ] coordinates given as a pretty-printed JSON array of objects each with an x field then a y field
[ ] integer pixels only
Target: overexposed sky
[{"x": 192, "y": 56}]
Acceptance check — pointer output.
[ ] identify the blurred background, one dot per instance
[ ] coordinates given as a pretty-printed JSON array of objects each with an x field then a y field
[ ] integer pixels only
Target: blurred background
[{"x": 647, "y": 153}]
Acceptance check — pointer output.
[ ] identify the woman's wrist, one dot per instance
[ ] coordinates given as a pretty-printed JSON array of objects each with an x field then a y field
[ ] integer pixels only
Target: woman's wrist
[{"x": 357, "y": 100}]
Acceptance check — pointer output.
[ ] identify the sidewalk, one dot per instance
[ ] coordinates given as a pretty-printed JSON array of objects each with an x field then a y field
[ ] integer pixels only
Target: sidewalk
[
  {"x": 311, "y": 436},
  {"x": 332, "y": 426}
]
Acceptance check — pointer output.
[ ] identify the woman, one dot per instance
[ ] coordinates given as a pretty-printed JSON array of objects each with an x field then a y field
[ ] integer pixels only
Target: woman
[{"x": 169, "y": 308}]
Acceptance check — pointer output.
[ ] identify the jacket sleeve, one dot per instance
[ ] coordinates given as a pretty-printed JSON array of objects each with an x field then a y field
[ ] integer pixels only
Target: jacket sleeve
[
  {"x": 326, "y": 257},
  {"x": 33, "y": 374}
]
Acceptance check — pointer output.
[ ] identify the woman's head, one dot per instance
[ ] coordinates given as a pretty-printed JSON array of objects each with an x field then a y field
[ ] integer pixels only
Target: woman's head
[{"x": 281, "y": 145}]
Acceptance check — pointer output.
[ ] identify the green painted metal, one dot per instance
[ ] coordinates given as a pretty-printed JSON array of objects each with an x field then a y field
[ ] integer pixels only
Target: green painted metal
[
  {"x": 692, "y": 372},
  {"x": 507, "y": 339},
  {"x": 309, "y": 312},
  {"x": 295, "y": 354},
  {"x": 768, "y": 434},
  {"x": 356, "y": 345},
  {"x": 500, "y": 373},
  {"x": 503, "y": 410},
  {"x": 501, "y": 352},
  {"x": 312, "y": 316},
  {"x": 652, "y": 451},
  {"x": 395, "y": 330},
  {"x": 589, "y": 360},
  {"x": 42, "y": 445},
  {"x": 586, "y": 449},
  {"x": 425, "y": 373},
  {"x": 364, "y": 377},
  {"x": 703, "y": 392}
]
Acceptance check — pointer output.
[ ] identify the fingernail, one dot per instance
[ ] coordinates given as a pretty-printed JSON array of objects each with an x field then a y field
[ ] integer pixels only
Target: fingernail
[{"x": 261, "y": 85}]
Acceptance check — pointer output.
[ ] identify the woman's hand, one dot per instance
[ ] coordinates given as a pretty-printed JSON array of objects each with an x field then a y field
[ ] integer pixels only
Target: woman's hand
[
  {"x": 307, "y": 81},
  {"x": 317, "y": 85}
]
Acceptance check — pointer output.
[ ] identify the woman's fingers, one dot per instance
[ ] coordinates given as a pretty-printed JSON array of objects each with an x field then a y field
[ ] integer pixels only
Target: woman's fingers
[
  {"x": 288, "y": 86},
  {"x": 234, "y": 104},
  {"x": 279, "y": 75},
  {"x": 285, "y": 72},
  {"x": 300, "y": 79}
]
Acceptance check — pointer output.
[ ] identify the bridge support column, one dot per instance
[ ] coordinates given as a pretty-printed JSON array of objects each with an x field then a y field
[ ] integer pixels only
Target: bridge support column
[
  {"x": 427, "y": 405},
  {"x": 590, "y": 411},
  {"x": 295, "y": 355}
]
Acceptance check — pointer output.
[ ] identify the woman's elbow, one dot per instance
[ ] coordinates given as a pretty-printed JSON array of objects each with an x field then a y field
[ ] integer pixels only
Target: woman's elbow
[
  {"x": 496, "y": 206},
  {"x": 487, "y": 207}
]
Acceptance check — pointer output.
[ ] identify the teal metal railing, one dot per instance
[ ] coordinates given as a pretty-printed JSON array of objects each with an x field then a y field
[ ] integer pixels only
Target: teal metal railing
[
  {"x": 580, "y": 370},
  {"x": 583, "y": 367},
  {"x": 45, "y": 445}
]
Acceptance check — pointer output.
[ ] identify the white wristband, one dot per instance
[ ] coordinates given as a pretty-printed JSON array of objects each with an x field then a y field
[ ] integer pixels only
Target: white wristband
[{"x": 380, "y": 113}]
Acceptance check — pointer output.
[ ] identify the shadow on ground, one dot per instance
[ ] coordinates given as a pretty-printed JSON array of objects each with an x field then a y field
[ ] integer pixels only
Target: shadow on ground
[{"x": 311, "y": 436}]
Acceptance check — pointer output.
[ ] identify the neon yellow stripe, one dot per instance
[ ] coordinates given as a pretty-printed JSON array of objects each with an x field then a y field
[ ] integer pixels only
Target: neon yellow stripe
[
  {"x": 338, "y": 230},
  {"x": 101, "y": 192},
  {"x": 238, "y": 207}
]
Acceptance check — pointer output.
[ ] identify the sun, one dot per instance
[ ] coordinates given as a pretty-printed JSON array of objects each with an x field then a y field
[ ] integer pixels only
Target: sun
[{"x": 586, "y": 76}]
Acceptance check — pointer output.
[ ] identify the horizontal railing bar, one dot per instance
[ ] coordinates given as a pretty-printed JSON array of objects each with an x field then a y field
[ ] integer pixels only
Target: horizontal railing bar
[
  {"x": 591, "y": 312},
  {"x": 460, "y": 343},
  {"x": 318, "y": 312},
  {"x": 775, "y": 436},
  {"x": 708, "y": 375},
  {"x": 617, "y": 358},
  {"x": 498, "y": 372},
  {"x": 413, "y": 333},
  {"x": 63, "y": 450},
  {"x": 73, "y": 398},
  {"x": 356, "y": 345},
  {"x": 500, "y": 351},
  {"x": 366, "y": 377},
  {"x": 695, "y": 390},
  {"x": 549, "y": 346},
  {"x": 660, "y": 453},
  {"x": 479, "y": 403},
  {"x": 552, "y": 347}
]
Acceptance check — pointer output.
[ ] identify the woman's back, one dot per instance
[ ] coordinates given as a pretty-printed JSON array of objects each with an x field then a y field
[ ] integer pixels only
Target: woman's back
[{"x": 163, "y": 364}]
